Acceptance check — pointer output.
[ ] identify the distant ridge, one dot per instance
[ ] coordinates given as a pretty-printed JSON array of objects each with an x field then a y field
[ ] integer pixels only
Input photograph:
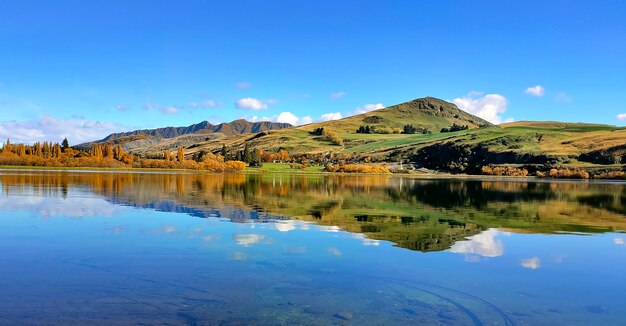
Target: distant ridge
[{"x": 235, "y": 127}]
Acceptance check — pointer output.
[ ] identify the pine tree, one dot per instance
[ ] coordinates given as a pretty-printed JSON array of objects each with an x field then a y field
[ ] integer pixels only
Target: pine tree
[
  {"x": 247, "y": 156},
  {"x": 255, "y": 158},
  {"x": 224, "y": 152},
  {"x": 65, "y": 144}
]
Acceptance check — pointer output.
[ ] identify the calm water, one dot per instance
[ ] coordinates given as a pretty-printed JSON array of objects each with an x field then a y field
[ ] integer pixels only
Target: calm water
[{"x": 104, "y": 248}]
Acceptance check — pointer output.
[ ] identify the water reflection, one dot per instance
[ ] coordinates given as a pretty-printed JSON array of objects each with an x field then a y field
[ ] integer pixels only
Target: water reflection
[
  {"x": 484, "y": 244},
  {"x": 271, "y": 250},
  {"x": 423, "y": 215}
]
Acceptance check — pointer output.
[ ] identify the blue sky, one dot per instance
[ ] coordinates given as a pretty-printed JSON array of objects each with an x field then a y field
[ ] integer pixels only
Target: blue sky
[{"x": 82, "y": 69}]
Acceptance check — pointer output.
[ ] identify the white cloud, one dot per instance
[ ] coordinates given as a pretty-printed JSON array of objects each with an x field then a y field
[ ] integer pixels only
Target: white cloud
[
  {"x": 562, "y": 97},
  {"x": 206, "y": 104},
  {"x": 483, "y": 244},
  {"x": 288, "y": 117},
  {"x": 249, "y": 103},
  {"x": 368, "y": 108},
  {"x": 243, "y": 85},
  {"x": 330, "y": 116},
  {"x": 536, "y": 90},
  {"x": 122, "y": 108},
  {"x": 284, "y": 117},
  {"x": 337, "y": 95},
  {"x": 621, "y": 116},
  {"x": 489, "y": 107},
  {"x": 532, "y": 263},
  {"x": 169, "y": 110},
  {"x": 48, "y": 128}
]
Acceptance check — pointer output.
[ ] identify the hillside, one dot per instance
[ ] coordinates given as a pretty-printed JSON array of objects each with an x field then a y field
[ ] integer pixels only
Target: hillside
[
  {"x": 171, "y": 137},
  {"x": 236, "y": 127},
  {"x": 427, "y": 115},
  {"x": 531, "y": 144}
]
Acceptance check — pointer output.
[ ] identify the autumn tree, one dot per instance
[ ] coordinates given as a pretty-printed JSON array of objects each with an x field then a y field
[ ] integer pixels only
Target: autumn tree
[
  {"x": 118, "y": 152},
  {"x": 7, "y": 146},
  {"x": 283, "y": 155},
  {"x": 21, "y": 150},
  {"x": 180, "y": 155},
  {"x": 37, "y": 149},
  {"x": 107, "y": 151},
  {"x": 96, "y": 151},
  {"x": 56, "y": 150},
  {"x": 167, "y": 155}
]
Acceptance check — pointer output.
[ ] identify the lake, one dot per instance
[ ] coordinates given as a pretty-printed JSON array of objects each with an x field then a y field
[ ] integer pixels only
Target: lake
[{"x": 128, "y": 248}]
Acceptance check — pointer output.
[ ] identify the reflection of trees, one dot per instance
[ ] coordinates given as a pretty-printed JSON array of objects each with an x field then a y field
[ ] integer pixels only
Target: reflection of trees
[
  {"x": 456, "y": 193},
  {"x": 423, "y": 215}
]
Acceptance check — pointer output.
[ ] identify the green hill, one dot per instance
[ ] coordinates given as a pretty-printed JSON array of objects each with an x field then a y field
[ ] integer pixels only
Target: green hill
[
  {"x": 425, "y": 114},
  {"x": 531, "y": 144}
]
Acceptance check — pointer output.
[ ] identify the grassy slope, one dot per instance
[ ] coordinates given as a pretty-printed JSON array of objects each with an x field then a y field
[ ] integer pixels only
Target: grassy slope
[
  {"x": 526, "y": 137},
  {"x": 428, "y": 113}
]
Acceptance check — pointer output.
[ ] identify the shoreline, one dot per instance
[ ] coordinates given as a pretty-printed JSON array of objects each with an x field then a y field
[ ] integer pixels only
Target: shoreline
[{"x": 261, "y": 171}]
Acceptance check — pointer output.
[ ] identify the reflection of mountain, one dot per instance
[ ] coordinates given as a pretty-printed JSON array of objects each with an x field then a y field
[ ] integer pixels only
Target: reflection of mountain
[{"x": 424, "y": 215}]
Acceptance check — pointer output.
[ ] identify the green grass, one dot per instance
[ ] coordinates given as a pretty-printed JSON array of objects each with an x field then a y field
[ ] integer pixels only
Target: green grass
[{"x": 284, "y": 168}]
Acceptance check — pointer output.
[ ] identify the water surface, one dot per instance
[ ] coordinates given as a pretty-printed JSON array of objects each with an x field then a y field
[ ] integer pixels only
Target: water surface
[{"x": 103, "y": 248}]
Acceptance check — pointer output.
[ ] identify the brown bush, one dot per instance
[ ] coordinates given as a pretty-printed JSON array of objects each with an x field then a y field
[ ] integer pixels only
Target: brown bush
[
  {"x": 566, "y": 173},
  {"x": 510, "y": 171},
  {"x": 357, "y": 168},
  {"x": 333, "y": 137},
  {"x": 235, "y": 165},
  {"x": 610, "y": 175}
]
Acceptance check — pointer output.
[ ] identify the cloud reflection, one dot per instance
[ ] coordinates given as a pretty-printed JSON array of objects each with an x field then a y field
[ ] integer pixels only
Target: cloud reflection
[
  {"x": 334, "y": 251},
  {"x": 532, "y": 263},
  {"x": 484, "y": 244},
  {"x": 248, "y": 239},
  {"x": 46, "y": 207}
]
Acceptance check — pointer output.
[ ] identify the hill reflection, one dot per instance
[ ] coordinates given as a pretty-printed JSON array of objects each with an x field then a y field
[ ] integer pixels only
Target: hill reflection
[{"x": 424, "y": 215}]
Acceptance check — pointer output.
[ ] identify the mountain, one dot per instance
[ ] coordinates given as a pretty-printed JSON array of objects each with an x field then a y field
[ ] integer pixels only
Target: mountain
[
  {"x": 164, "y": 138},
  {"x": 535, "y": 145},
  {"x": 428, "y": 115},
  {"x": 236, "y": 127},
  {"x": 530, "y": 144}
]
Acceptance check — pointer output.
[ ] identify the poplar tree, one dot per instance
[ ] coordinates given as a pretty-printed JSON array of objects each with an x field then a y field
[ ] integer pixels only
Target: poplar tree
[
  {"x": 180, "y": 155},
  {"x": 7, "y": 146}
]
